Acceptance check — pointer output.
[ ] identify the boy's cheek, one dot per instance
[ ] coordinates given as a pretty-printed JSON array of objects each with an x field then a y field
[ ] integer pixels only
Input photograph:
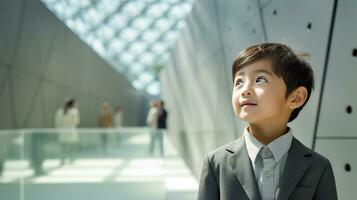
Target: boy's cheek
[{"x": 235, "y": 104}]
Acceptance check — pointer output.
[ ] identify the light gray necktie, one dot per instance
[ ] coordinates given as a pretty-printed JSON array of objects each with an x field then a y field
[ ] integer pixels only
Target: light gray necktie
[{"x": 268, "y": 164}]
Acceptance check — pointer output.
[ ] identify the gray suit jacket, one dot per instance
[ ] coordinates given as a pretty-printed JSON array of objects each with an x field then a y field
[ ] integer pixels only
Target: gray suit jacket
[{"x": 228, "y": 174}]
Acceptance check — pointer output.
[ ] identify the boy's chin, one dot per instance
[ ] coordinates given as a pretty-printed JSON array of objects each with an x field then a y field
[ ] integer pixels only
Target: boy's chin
[{"x": 247, "y": 119}]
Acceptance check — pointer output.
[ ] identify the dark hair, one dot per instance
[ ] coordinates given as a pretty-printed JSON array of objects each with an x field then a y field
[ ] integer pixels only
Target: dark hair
[
  {"x": 286, "y": 64},
  {"x": 69, "y": 104}
]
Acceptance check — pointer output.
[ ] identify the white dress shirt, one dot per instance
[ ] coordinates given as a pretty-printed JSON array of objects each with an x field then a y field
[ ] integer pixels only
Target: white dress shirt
[{"x": 268, "y": 176}]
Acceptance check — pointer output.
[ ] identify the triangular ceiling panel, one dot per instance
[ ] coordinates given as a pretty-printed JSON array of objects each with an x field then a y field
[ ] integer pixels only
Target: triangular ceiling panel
[{"x": 134, "y": 36}]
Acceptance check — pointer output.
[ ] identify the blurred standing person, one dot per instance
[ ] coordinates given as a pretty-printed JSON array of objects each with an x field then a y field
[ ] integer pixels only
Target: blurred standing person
[
  {"x": 118, "y": 117},
  {"x": 105, "y": 120},
  {"x": 118, "y": 122},
  {"x": 151, "y": 121},
  {"x": 69, "y": 137}
]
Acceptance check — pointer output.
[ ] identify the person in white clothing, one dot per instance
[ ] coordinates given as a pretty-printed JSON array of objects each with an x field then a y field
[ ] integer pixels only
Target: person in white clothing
[
  {"x": 118, "y": 123},
  {"x": 118, "y": 117},
  {"x": 151, "y": 121},
  {"x": 68, "y": 137}
]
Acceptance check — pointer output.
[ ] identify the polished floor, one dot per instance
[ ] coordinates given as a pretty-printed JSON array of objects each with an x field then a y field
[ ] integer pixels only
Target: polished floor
[{"x": 123, "y": 171}]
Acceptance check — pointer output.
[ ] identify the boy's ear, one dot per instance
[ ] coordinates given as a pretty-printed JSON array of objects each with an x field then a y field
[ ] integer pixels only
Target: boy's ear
[{"x": 297, "y": 98}]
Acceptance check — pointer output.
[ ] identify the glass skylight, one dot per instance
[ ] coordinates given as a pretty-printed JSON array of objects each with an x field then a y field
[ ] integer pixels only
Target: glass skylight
[{"x": 133, "y": 36}]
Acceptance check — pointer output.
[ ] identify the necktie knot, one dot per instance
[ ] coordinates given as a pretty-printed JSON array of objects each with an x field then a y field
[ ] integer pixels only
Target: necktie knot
[
  {"x": 268, "y": 161},
  {"x": 266, "y": 153}
]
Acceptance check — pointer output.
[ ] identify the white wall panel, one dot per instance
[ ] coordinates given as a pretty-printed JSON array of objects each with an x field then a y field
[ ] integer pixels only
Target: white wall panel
[
  {"x": 200, "y": 68},
  {"x": 340, "y": 85},
  {"x": 191, "y": 85},
  {"x": 286, "y": 25},
  {"x": 343, "y": 158},
  {"x": 193, "y": 55},
  {"x": 240, "y": 26},
  {"x": 189, "y": 81},
  {"x": 172, "y": 95},
  {"x": 178, "y": 106},
  {"x": 181, "y": 80},
  {"x": 206, "y": 41}
]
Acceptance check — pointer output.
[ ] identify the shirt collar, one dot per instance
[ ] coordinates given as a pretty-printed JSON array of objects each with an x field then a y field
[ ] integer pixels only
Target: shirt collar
[
  {"x": 278, "y": 147},
  {"x": 281, "y": 145},
  {"x": 253, "y": 145}
]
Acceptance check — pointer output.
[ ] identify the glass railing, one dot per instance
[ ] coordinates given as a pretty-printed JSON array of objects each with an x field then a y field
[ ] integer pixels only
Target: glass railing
[{"x": 125, "y": 163}]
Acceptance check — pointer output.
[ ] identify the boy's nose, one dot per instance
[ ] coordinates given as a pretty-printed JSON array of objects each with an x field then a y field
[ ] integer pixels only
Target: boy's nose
[{"x": 247, "y": 91}]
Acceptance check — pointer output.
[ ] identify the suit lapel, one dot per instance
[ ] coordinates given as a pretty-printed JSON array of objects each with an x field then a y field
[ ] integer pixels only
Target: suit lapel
[
  {"x": 243, "y": 170},
  {"x": 297, "y": 163}
]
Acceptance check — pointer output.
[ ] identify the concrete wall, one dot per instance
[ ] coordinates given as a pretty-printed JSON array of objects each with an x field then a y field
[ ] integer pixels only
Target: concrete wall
[
  {"x": 197, "y": 81},
  {"x": 42, "y": 62}
]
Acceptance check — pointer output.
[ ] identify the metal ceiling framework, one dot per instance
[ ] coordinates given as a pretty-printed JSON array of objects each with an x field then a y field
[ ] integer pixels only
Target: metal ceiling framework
[{"x": 132, "y": 35}]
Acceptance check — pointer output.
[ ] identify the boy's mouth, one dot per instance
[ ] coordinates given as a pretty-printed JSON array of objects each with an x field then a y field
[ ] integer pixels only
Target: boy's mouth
[{"x": 248, "y": 103}]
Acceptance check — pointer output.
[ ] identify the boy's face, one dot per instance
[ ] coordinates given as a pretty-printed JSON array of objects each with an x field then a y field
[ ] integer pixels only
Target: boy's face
[{"x": 259, "y": 94}]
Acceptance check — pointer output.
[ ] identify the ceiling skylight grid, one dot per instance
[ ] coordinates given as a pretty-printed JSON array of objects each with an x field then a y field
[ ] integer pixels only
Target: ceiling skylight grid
[{"x": 132, "y": 35}]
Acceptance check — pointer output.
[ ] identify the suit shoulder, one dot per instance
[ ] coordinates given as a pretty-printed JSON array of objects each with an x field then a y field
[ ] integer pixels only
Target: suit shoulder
[
  {"x": 223, "y": 151},
  {"x": 315, "y": 155}
]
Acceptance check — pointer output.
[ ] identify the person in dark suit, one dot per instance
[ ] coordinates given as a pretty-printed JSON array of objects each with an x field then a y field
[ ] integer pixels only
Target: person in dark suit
[
  {"x": 161, "y": 121},
  {"x": 271, "y": 84}
]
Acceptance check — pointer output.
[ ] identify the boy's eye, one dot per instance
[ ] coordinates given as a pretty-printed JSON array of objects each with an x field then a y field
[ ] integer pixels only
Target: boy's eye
[
  {"x": 239, "y": 83},
  {"x": 261, "y": 79}
]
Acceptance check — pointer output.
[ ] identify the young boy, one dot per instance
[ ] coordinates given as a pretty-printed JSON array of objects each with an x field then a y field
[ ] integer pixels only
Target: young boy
[{"x": 271, "y": 85}]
